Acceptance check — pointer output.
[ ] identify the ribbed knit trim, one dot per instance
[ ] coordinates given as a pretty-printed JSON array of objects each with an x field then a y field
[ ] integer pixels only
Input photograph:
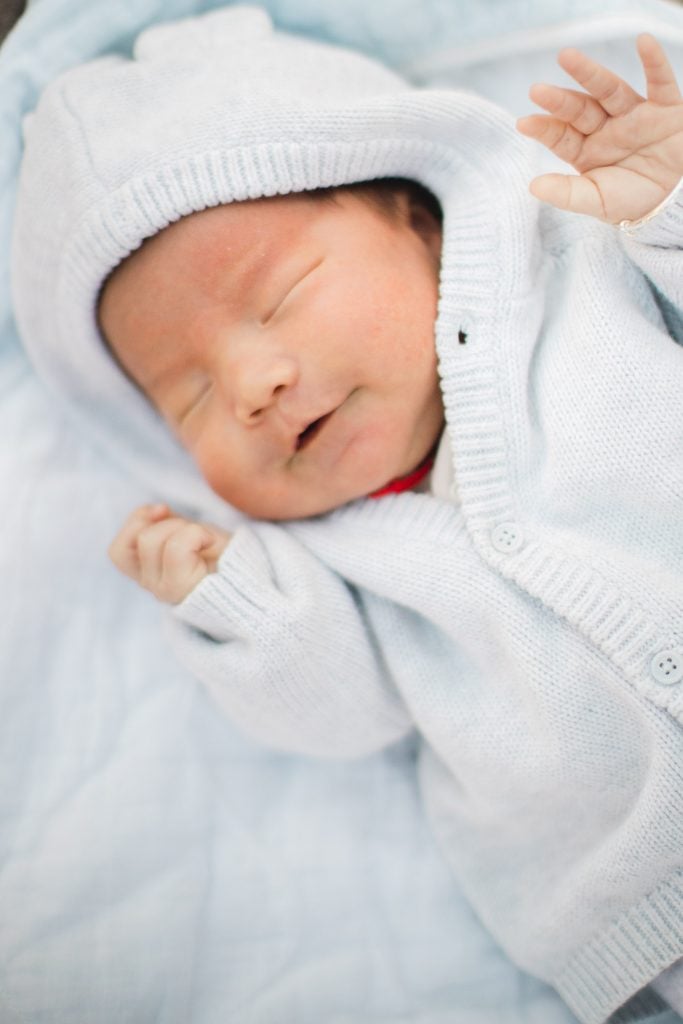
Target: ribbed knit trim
[
  {"x": 638, "y": 945},
  {"x": 579, "y": 593},
  {"x": 402, "y": 515},
  {"x": 478, "y": 302},
  {"x": 146, "y": 204}
]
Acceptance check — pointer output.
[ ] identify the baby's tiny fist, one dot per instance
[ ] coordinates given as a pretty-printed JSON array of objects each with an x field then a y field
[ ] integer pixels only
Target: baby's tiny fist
[
  {"x": 167, "y": 554},
  {"x": 180, "y": 554}
]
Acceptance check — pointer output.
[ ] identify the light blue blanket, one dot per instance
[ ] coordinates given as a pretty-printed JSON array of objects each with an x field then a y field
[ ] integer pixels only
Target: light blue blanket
[{"x": 155, "y": 867}]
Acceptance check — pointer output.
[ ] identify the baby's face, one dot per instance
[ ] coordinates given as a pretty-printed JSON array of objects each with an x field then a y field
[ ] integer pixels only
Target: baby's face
[{"x": 289, "y": 343}]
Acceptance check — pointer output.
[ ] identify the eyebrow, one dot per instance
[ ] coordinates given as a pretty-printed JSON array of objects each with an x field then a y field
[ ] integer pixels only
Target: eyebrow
[{"x": 253, "y": 263}]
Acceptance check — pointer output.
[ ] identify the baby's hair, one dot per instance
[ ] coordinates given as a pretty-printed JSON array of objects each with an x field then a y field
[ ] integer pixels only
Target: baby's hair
[{"x": 383, "y": 193}]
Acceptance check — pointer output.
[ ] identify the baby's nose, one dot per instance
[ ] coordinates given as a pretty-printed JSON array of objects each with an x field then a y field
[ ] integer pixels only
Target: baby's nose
[{"x": 259, "y": 382}]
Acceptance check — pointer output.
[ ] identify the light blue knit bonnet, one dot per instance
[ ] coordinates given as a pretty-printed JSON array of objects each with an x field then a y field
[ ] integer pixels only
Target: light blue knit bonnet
[{"x": 209, "y": 110}]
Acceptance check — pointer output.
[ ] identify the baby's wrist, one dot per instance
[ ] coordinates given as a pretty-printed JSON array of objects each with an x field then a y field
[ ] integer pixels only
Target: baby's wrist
[{"x": 662, "y": 226}]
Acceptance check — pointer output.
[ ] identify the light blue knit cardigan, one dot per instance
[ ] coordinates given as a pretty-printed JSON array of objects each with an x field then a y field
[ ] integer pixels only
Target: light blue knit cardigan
[{"x": 533, "y": 633}]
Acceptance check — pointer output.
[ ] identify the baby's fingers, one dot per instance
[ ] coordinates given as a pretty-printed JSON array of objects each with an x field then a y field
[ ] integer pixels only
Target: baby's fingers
[
  {"x": 183, "y": 561},
  {"x": 614, "y": 94},
  {"x": 123, "y": 550},
  {"x": 171, "y": 561},
  {"x": 572, "y": 192},
  {"x": 578, "y": 109},
  {"x": 662, "y": 87},
  {"x": 561, "y": 138}
]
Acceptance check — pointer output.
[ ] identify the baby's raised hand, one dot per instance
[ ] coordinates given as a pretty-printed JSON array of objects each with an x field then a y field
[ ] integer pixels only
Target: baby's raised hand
[
  {"x": 628, "y": 150},
  {"x": 166, "y": 554}
]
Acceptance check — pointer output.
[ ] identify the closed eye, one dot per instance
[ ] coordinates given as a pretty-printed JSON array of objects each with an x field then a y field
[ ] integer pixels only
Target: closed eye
[
  {"x": 271, "y": 313},
  {"x": 197, "y": 401}
]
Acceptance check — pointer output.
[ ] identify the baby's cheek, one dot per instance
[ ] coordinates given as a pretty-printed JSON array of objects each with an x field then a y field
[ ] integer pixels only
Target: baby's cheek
[
  {"x": 214, "y": 457},
  {"x": 217, "y": 469},
  {"x": 233, "y": 477}
]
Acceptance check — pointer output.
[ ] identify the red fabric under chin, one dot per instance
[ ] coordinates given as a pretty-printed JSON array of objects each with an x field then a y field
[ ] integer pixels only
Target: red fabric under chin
[{"x": 404, "y": 483}]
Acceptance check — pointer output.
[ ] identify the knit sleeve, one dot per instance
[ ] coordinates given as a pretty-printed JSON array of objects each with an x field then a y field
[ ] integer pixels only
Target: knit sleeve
[
  {"x": 284, "y": 648},
  {"x": 655, "y": 244}
]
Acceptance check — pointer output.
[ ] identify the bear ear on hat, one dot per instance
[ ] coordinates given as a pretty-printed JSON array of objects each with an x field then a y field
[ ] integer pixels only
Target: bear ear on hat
[{"x": 215, "y": 30}]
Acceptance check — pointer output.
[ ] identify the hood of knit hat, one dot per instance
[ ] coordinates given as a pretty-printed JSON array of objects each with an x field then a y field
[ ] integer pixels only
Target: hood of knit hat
[{"x": 208, "y": 110}]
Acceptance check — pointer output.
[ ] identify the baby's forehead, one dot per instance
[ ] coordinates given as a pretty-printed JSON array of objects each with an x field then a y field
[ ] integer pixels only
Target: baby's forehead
[
  {"x": 249, "y": 236},
  {"x": 233, "y": 247},
  {"x": 224, "y": 255}
]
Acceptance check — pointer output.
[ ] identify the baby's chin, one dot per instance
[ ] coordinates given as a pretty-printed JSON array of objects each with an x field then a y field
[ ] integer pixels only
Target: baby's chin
[
  {"x": 291, "y": 503},
  {"x": 274, "y": 510},
  {"x": 305, "y": 502}
]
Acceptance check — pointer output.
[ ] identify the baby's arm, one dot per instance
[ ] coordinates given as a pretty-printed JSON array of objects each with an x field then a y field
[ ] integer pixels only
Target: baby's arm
[
  {"x": 627, "y": 149},
  {"x": 282, "y": 643},
  {"x": 167, "y": 554}
]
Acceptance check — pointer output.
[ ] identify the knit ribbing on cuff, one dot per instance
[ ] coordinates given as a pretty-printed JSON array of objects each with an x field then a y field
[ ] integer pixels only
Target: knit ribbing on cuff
[
  {"x": 620, "y": 961},
  {"x": 234, "y": 599}
]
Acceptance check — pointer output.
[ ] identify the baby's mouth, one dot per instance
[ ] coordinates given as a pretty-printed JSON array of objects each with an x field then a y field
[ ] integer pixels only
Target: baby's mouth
[{"x": 311, "y": 431}]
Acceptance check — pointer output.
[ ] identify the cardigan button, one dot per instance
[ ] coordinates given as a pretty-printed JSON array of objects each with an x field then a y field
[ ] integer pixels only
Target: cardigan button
[
  {"x": 507, "y": 537},
  {"x": 667, "y": 667}
]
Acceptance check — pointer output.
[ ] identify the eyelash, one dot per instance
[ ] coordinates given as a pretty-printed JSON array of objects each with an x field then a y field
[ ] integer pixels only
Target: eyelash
[
  {"x": 271, "y": 313},
  {"x": 194, "y": 405}
]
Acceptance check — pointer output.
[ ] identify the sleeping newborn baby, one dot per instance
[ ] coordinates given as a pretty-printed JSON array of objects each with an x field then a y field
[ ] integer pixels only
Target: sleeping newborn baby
[
  {"x": 449, "y": 416},
  {"x": 295, "y": 333}
]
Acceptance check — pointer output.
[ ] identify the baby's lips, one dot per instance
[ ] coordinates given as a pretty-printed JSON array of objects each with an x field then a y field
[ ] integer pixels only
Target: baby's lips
[{"x": 311, "y": 431}]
